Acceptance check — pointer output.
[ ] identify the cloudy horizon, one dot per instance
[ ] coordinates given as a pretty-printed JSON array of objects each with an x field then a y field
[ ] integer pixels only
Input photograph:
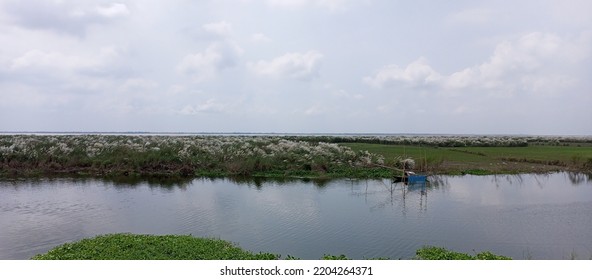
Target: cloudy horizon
[{"x": 297, "y": 66}]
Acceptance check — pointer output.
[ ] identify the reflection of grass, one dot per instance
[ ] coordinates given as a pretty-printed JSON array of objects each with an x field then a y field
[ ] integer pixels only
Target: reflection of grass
[
  {"x": 488, "y": 160},
  {"x": 126, "y": 246}
]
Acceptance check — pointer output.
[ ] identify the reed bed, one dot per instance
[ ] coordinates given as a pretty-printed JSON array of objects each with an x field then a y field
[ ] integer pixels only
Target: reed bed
[{"x": 179, "y": 155}]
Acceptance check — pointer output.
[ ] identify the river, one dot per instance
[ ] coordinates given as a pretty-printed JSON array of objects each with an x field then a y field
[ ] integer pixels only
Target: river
[{"x": 525, "y": 216}]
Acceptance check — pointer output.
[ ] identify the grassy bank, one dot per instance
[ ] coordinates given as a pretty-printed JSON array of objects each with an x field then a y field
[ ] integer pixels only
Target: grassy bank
[
  {"x": 487, "y": 160},
  {"x": 283, "y": 156},
  {"x": 183, "y": 247},
  {"x": 183, "y": 156}
]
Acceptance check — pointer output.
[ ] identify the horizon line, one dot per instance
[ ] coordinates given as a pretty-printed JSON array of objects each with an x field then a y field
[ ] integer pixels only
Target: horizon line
[{"x": 282, "y": 133}]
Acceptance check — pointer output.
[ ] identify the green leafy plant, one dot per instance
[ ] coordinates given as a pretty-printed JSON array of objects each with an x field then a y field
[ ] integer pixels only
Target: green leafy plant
[{"x": 439, "y": 253}]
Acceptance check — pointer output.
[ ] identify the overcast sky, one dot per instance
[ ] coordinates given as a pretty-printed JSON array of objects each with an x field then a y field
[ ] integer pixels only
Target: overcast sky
[{"x": 297, "y": 66}]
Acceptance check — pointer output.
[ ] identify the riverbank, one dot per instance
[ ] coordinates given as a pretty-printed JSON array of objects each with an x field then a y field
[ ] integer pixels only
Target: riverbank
[
  {"x": 184, "y": 247},
  {"x": 534, "y": 158},
  {"x": 283, "y": 156}
]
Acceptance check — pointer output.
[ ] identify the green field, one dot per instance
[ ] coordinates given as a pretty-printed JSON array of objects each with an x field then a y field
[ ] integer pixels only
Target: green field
[{"x": 534, "y": 158}]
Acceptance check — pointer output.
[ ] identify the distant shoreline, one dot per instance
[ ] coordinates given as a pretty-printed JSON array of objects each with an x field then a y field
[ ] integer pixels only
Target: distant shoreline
[{"x": 183, "y": 133}]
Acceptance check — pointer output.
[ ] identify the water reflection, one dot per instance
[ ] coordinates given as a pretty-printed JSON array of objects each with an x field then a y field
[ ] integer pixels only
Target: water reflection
[
  {"x": 117, "y": 182},
  {"x": 152, "y": 182},
  {"x": 435, "y": 181},
  {"x": 259, "y": 182},
  {"x": 579, "y": 178},
  {"x": 398, "y": 195},
  {"x": 438, "y": 181},
  {"x": 506, "y": 214},
  {"x": 160, "y": 182}
]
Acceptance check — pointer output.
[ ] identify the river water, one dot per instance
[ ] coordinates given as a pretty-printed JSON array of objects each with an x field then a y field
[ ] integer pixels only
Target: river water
[{"x": 522, "y": 216}]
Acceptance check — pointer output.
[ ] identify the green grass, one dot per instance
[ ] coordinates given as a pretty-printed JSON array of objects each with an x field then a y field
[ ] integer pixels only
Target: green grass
[
  {"x": 272, "y": 157},
  {"x": 486, "y": 160},
  {"x": 126, "y": 246},
  {"x": 151, "y": 247},
  {"x": 439, "y": 253},
  {"x": 167, "y": 156}
]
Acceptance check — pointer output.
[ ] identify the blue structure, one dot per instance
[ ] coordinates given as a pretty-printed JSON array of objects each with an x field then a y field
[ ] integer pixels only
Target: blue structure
[{"x": 411, "y": 179}]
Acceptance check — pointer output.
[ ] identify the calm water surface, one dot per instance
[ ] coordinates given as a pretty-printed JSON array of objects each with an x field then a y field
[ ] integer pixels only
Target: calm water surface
[{"x": 526, "y": 216}]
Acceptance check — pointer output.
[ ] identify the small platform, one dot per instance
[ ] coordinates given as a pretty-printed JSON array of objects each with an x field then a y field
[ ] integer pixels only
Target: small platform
[{"x": 411, "y": 178}]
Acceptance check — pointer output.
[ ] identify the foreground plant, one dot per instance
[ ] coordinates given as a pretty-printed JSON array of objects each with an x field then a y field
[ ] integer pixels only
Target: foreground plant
[
  {"x": 439, "y": 253},
  {"x": 151, "y": 247},
  {"x": 126, "y": 246}
]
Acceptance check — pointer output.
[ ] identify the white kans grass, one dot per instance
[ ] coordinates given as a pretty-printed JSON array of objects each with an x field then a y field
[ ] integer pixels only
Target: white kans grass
[
  {"x": 199, "y": 150},
  {"x": 284, "y": 151},
  {"x": 461, "y": 140}
]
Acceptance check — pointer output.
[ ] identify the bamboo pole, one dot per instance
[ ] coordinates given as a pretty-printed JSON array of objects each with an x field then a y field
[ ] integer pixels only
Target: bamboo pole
[{"x": 388, "y": 167}]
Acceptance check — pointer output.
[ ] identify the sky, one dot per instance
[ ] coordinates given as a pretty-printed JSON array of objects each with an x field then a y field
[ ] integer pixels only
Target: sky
[{"x": 297, "y": 66}]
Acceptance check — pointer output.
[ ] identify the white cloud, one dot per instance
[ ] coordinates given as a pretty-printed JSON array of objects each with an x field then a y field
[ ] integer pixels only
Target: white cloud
[
  {"x": 300, "y": 66},
  {"x": 341, "y": 93},
  {"x": 64, "y": 16},
  {"x": 222, "y": 53},
  {"x": 221, "y": 28},
  {"x": 55, "y": 72},
  {"x": 209, "y": 106},
  {"x": 575, "y": 13},
  {"x": 535, "y": 83},
  {"x": 288, "y": 3},
  {"x": 138, "y": 85},
  {"x": 113, "y": 10},
  {"x": 52, "y": 61},
  {"x": 472, "y": 16},
  {"x": 532, "y": 63},
  {"x": 206, "y": 65},
  {"x": 136, "y": 63},
  {"x": 40, "y": 59},
  {"x": 260, "y": 38},
  {"x": 51, "y": 81},
  {"x": 417, "y": 73},
  {"x": 332, "y": 5},
  {"x": 315, "y": 110},
  {"x": 528, "y": 63}
]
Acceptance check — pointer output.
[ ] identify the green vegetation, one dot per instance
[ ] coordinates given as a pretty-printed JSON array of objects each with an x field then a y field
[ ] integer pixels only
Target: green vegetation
[
  {"x": 438, "y": 253},
  {"x": 487, "y": 160},
  {"x": 285, "y": 156},
  {"x": 181, "y": 156},
  {"x": 125, "y": 246},
  {"x": 150, "y": 247}
]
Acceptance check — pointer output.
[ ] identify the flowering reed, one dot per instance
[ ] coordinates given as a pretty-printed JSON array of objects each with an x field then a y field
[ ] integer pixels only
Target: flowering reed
[{"x": 187, "y": 155}]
